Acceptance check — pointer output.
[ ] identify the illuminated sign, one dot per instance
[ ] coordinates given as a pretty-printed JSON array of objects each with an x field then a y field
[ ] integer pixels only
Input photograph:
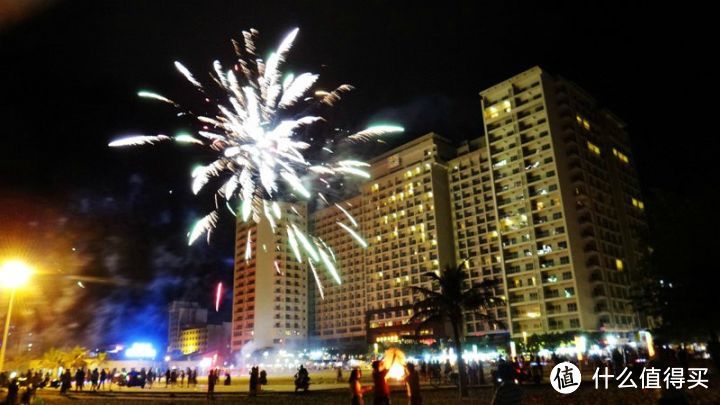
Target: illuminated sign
[{"x": 140, "y": 351}]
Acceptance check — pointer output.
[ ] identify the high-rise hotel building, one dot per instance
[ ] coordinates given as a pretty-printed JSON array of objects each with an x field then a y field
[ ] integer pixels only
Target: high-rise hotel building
[
  {"x": 547, "y": 202},
  {"x": 270, "y": 294},
  {"x": 405, "y": 219},
  {"x": 565, "y": 219},
  {"x": 396, "y": 212},
  {"x": 339, "y": 312}
]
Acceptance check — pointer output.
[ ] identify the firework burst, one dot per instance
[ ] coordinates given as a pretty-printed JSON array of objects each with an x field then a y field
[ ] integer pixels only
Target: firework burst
[{"x": 260, "y": 154}]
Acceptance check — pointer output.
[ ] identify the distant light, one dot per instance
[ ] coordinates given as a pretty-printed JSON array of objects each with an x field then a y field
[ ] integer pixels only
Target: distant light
[
  {"x": 611, "y": 340},
  {"x": 118, "y": 348},
  {"x": 141, "y": 351},
  {"x": 80, "y": 284},
  {"x": 205, "y": 362},
  {"x": 167, "y": 358}
]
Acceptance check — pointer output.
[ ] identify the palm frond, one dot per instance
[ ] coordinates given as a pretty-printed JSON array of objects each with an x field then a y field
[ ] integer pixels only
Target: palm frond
[{"x": 424, "y": 291}]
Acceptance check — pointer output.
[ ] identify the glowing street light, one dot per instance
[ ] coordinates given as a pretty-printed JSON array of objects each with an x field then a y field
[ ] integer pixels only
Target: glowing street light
[{"x": 13, "y": 274}]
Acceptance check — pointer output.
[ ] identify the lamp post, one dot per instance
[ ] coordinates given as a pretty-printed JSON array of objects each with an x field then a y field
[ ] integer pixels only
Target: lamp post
[{"x": 13, "y": 274}]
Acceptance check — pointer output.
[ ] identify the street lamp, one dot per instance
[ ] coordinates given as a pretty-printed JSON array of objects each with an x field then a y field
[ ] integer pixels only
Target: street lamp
[{"x": 13, "y": 274}]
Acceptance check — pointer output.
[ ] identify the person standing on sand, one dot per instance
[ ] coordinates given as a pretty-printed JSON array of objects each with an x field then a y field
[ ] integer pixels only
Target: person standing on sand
[{"x": 381, "y": 389}]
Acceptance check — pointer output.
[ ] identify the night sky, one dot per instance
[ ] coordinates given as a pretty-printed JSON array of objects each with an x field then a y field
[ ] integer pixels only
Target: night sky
[{"x": 70, "y": 72}]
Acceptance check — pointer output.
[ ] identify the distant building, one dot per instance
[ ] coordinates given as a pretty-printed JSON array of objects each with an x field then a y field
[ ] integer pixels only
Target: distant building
[
  {"x": 205, "y": 338},
  {"x": 270, "y": 294},
  {"x": 193, "y": 340},
  {"x": 183, "y": 315},
  {"x": 218, "y": 338}
]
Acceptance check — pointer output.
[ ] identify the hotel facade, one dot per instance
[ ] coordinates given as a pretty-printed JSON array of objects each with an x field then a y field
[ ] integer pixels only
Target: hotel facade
[
  {"x": 270, "y": 290},
  {"x": 547, "y": 202}
]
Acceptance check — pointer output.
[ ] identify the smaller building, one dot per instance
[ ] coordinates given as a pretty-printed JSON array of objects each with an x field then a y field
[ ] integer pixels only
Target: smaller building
[
  {"x": 193, "y": 340},
  {"x": 205, "y": 338},
  {"x": 183, "y": 315}
]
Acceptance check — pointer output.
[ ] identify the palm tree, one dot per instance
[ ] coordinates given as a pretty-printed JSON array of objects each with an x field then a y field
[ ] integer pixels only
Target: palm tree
[{"x": 455, "y": 299}]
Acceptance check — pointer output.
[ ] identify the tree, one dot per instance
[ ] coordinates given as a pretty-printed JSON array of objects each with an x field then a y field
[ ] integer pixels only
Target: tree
[
  {"x": 53, "y": 358},
  {"x": 75, "y": 357},
  {"x": 100, "y": 360},
  {"x": 450, "y": 303}
]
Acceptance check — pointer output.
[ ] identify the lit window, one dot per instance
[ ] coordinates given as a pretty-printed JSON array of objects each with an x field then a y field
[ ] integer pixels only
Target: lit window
[
  {"x": 593, "y": 148},
  {"x": 638, "y": 204},
  {"x": 621, "y": 156},
  {"x": 619, "y": 264},
  {"x": 491, "y": 112},
  {"x": 586, "y": 124},
  {"x": 579, "y": 119},
  {"x": 506, "y": 104}
]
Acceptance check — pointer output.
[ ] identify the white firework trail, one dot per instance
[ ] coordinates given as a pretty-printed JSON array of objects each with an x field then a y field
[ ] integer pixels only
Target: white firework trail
[
  {"x": 259, "y": 147},
  {"x": 373, "y": 132},
  {"x": 277, "y": 267},
  {"x": 138, "y": 140},
  {"x": 185, "y": 138},
  {"x": 248, "y": 246},
  {"x": 294, "y": 245},
  {"x": 354, "y": 234},
  {"x": 347, "y": 214},
  {"x": 322, "y": 197},
  {"x": 152, "y": 95},
  {"x": 328, "y": 249},
  {"x": 203, "y": 226},
  {"x": 317, "y": 279},
  {"x": 329, "y": 265}
]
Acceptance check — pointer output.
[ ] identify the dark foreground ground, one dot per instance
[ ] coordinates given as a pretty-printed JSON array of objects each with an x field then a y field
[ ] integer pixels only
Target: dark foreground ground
[{"x": 544, "y": 394}]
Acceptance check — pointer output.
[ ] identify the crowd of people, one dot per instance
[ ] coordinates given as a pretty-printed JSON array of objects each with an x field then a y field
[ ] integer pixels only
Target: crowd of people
[
  {"x": 381, "y": 387},
  {"x": 507, "y": 376}
]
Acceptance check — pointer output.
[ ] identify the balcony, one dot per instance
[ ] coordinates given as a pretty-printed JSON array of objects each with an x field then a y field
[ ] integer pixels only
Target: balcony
[
  {"x": 551, "y": 294},
  {"x": 516, "y": 298}
]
